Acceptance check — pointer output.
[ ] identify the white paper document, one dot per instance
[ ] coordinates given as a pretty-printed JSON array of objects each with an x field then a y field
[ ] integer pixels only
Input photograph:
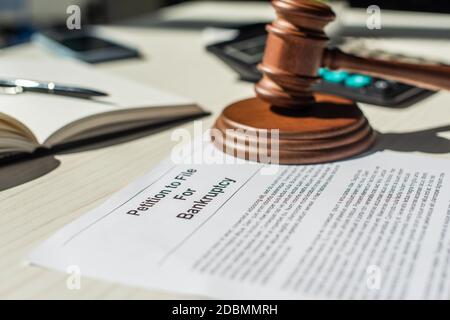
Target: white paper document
[{"x": 374, "y": 227}]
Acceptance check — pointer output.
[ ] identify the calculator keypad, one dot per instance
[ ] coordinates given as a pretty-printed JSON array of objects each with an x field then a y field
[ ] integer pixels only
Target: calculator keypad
[{"x": 245, "y": 52}]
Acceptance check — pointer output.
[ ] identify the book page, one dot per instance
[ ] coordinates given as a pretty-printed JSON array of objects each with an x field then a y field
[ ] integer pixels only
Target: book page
[
  {"x": 374, "y": 227},
  {"x": 44, "y": 114}
]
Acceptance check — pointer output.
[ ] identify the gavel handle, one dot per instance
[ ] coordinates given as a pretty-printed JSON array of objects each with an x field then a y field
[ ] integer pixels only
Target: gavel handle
[{"x": 433, "y": 77}]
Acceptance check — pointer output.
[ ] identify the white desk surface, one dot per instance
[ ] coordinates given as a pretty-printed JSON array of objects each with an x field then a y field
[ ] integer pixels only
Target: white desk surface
[{"x": 174, "y": 59}]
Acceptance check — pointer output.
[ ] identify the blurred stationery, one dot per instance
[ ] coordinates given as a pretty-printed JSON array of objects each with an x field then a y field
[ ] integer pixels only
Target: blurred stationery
[
  {"x": 18, "y": 86},
  {"x": 373, "y": 227},
  {"x": 48, "y": 103}
]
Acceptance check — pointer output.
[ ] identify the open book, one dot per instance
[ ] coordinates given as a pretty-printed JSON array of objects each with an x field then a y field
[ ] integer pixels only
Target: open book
[{"x": 31, "y": 120}]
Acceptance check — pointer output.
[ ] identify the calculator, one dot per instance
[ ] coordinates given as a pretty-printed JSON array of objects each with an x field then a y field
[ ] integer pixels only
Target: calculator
[{"x": 246, "y": 50}]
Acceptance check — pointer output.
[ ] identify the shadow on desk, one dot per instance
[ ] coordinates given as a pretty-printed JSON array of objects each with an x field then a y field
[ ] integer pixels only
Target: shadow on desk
[
  {"x": 427, "y": 141},
  {"x": 23, "y": 168}
]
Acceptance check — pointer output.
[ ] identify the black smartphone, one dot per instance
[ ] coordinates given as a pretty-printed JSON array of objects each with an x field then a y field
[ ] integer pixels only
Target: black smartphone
[{"x": 84, "y": 45}]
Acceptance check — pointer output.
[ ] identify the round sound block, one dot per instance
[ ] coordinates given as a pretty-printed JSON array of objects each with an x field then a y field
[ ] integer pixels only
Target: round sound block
[{"x": 332, "y": 129}]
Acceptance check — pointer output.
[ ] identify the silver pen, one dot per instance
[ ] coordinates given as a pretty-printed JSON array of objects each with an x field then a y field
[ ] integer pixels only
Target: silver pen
[{"x": 17, "y": 86}]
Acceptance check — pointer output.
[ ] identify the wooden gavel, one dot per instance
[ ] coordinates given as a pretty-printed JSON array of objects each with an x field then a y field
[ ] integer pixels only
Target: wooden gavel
[
  {"x": 296, "y": 49},
  {"x": 311, "y": 127}
]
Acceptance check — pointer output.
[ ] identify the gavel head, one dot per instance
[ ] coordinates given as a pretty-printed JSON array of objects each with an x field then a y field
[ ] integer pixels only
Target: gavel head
[{"x": 293, "y": 54}]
